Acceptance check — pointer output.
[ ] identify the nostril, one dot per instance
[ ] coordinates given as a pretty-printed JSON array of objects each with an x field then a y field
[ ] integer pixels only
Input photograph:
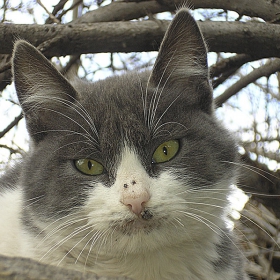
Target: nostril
[{"x": 136, "y": 204}]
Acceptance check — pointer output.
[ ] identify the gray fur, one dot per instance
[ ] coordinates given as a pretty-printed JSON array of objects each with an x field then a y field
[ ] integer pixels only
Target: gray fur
[{"x": 141, "y": 110}]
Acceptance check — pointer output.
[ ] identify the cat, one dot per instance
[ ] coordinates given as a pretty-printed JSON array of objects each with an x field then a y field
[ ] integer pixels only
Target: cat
[{"x": 127, "y": 176}]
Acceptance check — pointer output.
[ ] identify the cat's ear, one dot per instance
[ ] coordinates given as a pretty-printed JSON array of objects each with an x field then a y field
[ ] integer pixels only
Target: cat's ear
[
  {"x": 40, "y": 87},
  {"x": 182, "y": 61}
]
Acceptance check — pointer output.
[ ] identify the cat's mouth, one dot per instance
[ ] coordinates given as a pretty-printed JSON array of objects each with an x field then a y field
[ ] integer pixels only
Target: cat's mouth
[{"x": 143, "y": 223}]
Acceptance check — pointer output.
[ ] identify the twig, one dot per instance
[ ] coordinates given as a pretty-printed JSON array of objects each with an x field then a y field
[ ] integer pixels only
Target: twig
[
  {"x": 11, "y": 125},
  {"x": 49, "y": 13},
  {"x": 75, "y": 4},
  {"x": 266, "y": 70},
  {"x": 12, "y": 150}
]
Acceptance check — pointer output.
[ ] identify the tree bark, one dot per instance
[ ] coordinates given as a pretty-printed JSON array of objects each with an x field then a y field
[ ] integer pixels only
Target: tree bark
[
  {"x": 26, "y": 269},
  {"x": 256, "y": 39},
  {"x": 117, "y": 11},
  {"x": 263, "y": 71}
]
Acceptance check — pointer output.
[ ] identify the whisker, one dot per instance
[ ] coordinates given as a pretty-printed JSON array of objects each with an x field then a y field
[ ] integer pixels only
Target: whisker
[
  {"x": 155, "y": 99},
  {"x": 95, "y": 237},
  {"x": 85, "y": 246},
  {"x": 155, "y": 132},
  {"x": 208, "y": 223},
  {"x": 200, "y": 219},
  {"x": 253, "y": 169},
  {"x": 204, "y": 204},
  {"x": 68, "y": 252},
  {"x": 86, "y": 135},
  {"x": 72, "y": 143},
  {"x": 144, "y": 99},
  {"x": 250, "y": 217},
  {"x": 35, "y": 200},
  {"x": 65, "y": 239},
  {"x": 162, "y": 115},
  {"x": 206, "y": 190},
  {"x": 74, "y": 106},
  {"x": 179, "y": 222},
  {"x": 59, "y": 227}
]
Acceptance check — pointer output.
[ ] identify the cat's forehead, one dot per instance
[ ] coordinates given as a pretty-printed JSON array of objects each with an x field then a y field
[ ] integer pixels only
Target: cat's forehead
[
  {"x": 129, "y": 98},
  {"x": 115, "y": 101},
  {"x": 118, "y": 89}
]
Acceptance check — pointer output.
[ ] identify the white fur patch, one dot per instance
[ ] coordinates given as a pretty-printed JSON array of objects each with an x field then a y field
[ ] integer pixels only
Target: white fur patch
[
  {"x": 106, "y": 237},
  {"x": 177, "y": 243},
  {"x": 10, "y": 204}
]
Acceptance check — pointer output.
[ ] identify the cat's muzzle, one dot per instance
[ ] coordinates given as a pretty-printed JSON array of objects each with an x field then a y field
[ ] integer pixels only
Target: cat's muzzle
[{"x": 146, "y": 214}]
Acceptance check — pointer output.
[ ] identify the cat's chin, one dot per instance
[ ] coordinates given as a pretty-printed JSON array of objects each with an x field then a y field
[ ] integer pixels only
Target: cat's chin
[{"x": 142, "y": 224}]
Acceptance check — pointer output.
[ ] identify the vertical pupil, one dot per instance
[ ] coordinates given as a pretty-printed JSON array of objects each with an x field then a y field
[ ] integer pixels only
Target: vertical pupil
[
  {"x": 89, "y": 164},
  {"x": 164, "y": 150}
]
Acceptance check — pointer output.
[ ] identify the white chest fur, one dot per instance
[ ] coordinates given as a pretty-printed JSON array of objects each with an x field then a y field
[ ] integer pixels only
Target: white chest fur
[{"x": 12, "y": 237}]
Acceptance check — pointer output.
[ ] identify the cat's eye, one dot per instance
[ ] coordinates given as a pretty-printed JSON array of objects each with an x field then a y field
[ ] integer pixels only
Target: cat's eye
[
  {"x": 89, "y": 166},
  {"x": 166, "y": 151}
]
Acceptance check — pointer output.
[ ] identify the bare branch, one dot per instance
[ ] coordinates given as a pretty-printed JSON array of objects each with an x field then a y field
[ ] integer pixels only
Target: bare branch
[
  {"x": 265, "y": 70},
  {"x": 227, "y": 67},
  {"x": 5, "y": 77},
  {"x": 117, "y": 11},
  {"x": 258, "y": 39},
  {"x": 11, "y": 125},
  {"x": 22, "y": 269},
  {"x": 74, "y": 5},
  {"x": 121, "y": 11},
  {"x": 267, "y": 10},
  {"x": 59, "y": 6},
  {"x": 11, "y": 150},
  {"x": 228, "y": 64},
  {"x": 52, "y": 17}
]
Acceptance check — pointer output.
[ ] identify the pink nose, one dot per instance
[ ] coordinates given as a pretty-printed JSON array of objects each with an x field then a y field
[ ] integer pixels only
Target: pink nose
[{"x": 136, "y": 204}]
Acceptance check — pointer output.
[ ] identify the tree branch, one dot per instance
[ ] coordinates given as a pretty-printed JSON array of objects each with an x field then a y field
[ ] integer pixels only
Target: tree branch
[
  {"x": 11, "y": 125},
  {"x": 265, "y": 70},
  {"x": 225, "y": 68},
  {"x": 258, "y": 39},
  {"x": 122, "y": 11},
  {"x": 230, "y": 63},
  {"x": 23, "y": 269},
  {"x": 264, "y": 9},
  {"x": 5, "y": 76},
  {"x": 117, "y": 11},
  {"x": 11, "y": 150}
]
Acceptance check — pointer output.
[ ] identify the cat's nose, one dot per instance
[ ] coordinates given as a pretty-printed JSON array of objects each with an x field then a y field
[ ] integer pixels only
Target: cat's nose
[
  {"x": 136, "y": 204},
  {"x": 135, "y": 198}
]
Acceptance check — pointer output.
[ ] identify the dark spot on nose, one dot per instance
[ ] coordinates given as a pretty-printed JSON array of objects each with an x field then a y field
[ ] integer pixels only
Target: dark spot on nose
[
  {"x": 133, "y": 182},
  {"x": 125, "y": 186}
]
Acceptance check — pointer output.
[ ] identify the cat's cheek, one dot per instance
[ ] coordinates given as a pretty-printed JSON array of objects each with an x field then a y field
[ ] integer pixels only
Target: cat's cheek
[{"x": 98, "y": 206}]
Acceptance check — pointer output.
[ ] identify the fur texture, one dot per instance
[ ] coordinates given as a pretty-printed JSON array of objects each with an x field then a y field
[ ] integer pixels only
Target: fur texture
[{"x": 139, "y": 218}]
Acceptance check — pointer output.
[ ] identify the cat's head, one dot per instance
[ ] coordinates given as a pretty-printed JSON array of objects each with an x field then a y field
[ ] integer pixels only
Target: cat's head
[{"x": 139, "y": 160}]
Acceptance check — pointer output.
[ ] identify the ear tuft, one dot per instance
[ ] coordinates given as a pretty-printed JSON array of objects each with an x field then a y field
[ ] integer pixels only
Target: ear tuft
[
  {"x": 182, "y": 53},
  {"x": 35, "y": 77},
  {"x": 182, "y": 61},
  {"x": 40, "y": 87}
]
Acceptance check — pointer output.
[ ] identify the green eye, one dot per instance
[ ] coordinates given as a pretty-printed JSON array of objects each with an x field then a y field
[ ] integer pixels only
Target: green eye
[
  {"x": 89, "y": 166},
  {"x": 166, "y": 151}
]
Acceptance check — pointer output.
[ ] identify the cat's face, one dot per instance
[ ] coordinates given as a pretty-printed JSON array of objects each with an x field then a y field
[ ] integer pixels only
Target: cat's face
[{"x": 132, "y": 163}]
